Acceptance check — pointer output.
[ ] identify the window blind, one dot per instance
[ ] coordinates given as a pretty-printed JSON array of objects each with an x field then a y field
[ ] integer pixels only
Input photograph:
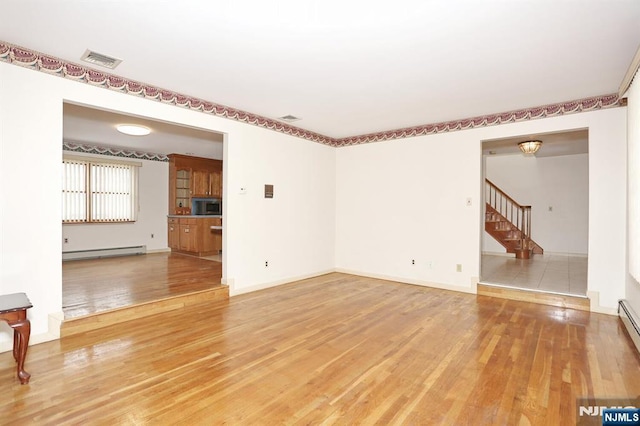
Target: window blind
[
  {"x": 74, "y": 191},
  {"x": 94, "y": 191},
  {"x": 112, "y": 193}
]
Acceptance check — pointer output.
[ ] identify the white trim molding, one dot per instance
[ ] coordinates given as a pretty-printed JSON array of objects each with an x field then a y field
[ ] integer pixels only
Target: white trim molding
[
  {"x": 472, "y": 289},
  {"x": 235, "y": 292},
  {"x": 630, "y": 75}
]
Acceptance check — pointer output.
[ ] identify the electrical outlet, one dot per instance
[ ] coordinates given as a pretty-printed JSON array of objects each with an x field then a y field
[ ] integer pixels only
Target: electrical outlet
[
  {"x": 413, "y": 261},
  {"x": 459, "y": 267},
  {"x": 266, "y": 263},
  {"x": 66, "y": 240},
  {"x": 151, "y": 235}
]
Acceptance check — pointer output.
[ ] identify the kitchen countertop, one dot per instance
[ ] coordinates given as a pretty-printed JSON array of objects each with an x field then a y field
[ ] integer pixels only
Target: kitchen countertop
[
  {"x": 216, "y": 227},
  {"x": 195, "y": 215}
]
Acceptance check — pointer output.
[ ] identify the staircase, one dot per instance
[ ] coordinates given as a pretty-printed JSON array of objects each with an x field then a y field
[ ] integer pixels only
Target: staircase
[{"x": 509, "y": 223}]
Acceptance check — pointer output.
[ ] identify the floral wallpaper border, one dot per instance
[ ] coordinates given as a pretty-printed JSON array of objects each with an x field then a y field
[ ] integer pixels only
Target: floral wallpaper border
[
  {"x": 116, "y": 152},
  {"x": 51, "y": 65},
  {"x": 571, "y": 107}
]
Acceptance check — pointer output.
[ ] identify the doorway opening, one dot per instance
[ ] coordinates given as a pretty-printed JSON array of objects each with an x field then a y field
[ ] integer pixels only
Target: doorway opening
[
  {"x": 536, "y": 213},
  {"x": 96, "y": 282}
]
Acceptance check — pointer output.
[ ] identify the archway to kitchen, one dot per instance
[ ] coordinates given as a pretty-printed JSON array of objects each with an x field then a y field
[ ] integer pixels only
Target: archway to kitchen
[
  {"x": 554, "y": 182},
  {"x": 111, "y": 267}
]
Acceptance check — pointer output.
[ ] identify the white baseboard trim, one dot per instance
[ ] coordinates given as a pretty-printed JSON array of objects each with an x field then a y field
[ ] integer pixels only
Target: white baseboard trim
[
  {"x": 498, "y": 253},
  {"x": 559, "y": 253},
  {"x": 53, "y": 333},
  {"x": 162, "y": 250},
  {"x": 471, "y": 289},
  {"x": 237, "y": 291},
  {"x": 594, "y": 296}
]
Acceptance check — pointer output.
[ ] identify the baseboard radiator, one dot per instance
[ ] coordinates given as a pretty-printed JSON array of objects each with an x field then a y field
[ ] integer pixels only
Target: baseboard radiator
[
  {"x": 108, "y": 252},
  {"x": 631, "y": 321}
]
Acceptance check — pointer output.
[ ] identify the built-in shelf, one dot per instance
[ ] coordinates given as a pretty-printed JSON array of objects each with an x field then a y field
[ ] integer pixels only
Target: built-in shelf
[{"x": 183, "y": 188}]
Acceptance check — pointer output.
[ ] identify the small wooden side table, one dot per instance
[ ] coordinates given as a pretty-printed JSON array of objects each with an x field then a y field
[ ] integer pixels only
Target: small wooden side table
[{"x": 13, "y": 310}]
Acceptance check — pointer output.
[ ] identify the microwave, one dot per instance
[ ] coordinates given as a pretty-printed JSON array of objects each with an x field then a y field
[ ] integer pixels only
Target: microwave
[{"x": 206, "y": 206}]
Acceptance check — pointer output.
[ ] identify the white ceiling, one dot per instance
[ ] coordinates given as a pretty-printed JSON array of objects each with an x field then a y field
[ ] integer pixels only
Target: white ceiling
[
  {"x": 348, "y": 67},
  {"x": 553, "y": 144},
  {"x": 97, "y": 127}
]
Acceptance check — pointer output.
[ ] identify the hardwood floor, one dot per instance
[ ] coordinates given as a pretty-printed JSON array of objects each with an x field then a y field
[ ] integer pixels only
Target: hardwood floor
[
  {"x": 546, "y": 298},
  {"x": 99, "y": 285},
  {"x": 335, "y": 349}
]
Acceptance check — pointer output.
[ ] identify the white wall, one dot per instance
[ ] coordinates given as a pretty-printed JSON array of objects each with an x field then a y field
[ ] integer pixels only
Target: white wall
[
  {"x": 153, "y": 201},
  {"x": 31, "y": 146},
  {"x": 405, "y": 199},
  {"x": 633, "y": 134},
  {"x": 559, "y": 182},
  {"x": 294, "y": 231},
  {"x": 377, "y": 205}
]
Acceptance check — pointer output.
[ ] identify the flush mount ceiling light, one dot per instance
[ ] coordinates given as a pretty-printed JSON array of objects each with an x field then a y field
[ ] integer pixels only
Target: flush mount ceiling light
[
  {"x": 530, "y": 147},
  {"x": 133, "y": 129}
]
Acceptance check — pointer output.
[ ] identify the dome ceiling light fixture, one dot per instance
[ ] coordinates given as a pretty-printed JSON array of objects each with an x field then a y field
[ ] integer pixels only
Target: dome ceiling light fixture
[
  {"x": 133, "y": 129},
  {"x": 530, "y": 147}
]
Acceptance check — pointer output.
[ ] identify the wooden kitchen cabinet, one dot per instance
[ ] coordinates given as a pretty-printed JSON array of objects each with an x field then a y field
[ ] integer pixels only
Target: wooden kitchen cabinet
[
  {"x": 192, "y": 177},
  {"x": 193, "y": 235},
  {"x": 183, "y": 190},
  {"x": 216, "y": 234},
  {"x": 174, "y": 233},
  {"x": 215, "y": 183},
  {"x": 189, "y": 178},
  {"x": 189, "y": 236},
  {"x": 207, "y": 183},
  {"x": 200, "y": 186}
]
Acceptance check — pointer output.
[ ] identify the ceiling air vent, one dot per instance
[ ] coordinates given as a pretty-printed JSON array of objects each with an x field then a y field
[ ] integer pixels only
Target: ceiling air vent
[
  {"x": 100, "y": 59},
  {"x": 289, "y": 118}
]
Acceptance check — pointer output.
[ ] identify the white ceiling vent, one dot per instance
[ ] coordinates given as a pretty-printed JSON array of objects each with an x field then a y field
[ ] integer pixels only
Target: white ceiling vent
[
  {"x": 289, "y": 118},
  {"x": 100, "y": 59}
]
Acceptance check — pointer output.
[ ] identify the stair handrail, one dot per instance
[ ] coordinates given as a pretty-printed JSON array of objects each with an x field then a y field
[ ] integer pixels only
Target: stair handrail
[{"x": 519, "y": 215}]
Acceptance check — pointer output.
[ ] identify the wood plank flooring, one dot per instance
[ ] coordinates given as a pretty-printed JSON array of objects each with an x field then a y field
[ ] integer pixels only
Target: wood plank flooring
[
  {"x": 98, "y": 285},
  {"x": 128, "y": 313},
  {"x": 546, "y": 298},
  {"x": 335, "y": 349}
]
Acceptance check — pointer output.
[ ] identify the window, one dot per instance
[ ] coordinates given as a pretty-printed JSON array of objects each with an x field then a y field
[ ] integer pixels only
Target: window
[{"x": 99, "y": 191}]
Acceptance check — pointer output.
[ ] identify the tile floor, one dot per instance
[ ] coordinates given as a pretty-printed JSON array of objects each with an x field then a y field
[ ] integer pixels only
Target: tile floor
[{"x": 556, "y": 273}]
